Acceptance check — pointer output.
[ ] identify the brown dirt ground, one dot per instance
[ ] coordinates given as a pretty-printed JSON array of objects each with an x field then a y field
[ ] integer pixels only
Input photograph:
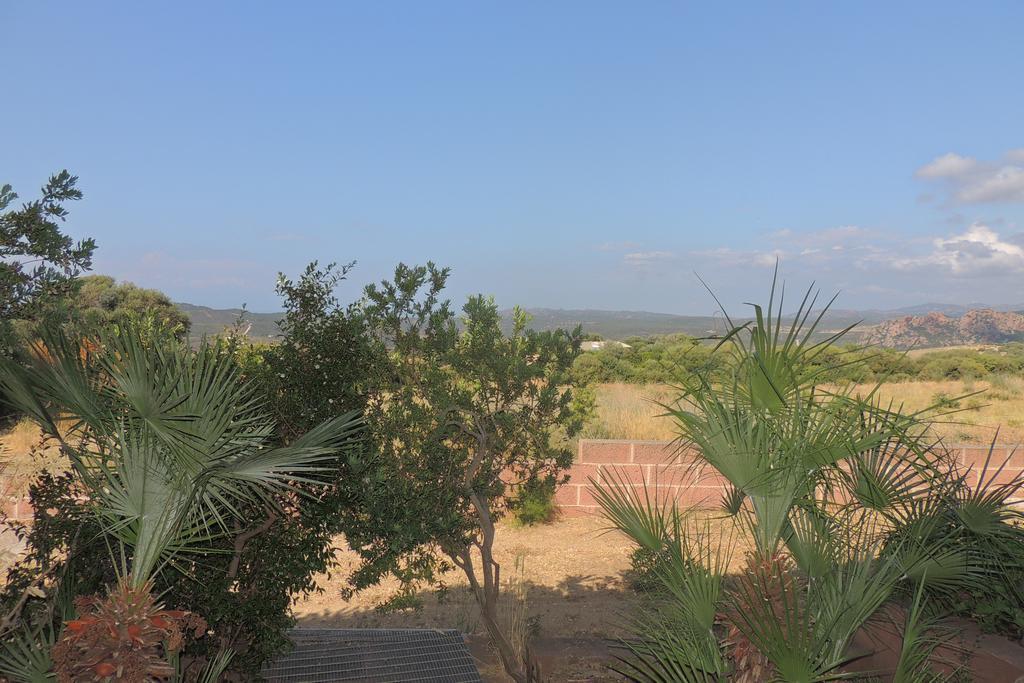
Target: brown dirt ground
[{"x": 577, "y": 595}]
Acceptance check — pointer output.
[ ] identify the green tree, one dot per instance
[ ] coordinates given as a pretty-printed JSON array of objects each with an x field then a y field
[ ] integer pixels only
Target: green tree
[
  {"x": 462, "y": 420},
  {"x": 38, "y": 262},
  {"x": 100, "y": 301},
  {"x": 318, "y": 372}
]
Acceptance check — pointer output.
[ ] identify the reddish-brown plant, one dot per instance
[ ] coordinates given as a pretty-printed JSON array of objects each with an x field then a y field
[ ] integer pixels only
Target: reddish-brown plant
[{"x": 125, "y": 636}]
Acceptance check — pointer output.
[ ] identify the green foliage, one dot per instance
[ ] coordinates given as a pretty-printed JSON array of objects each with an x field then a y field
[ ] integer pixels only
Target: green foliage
[
  {"x": 101, "y": 301},
  {"x": 644, "y": 566},
  {"x": 535, "y": 503},
  {"x": 944, "y": 400},
  {"x": 175, "y": 460},
  {"x": 674, "y": 359},
  {"x": 666, "y": 359},
  {"x": 38, "y": 263},
  {"x": 997, "y": 606},
  {"x": 974, "y": 533},
  {"x": 452, "y": 410},
  {"x": 849, "y": 505},
  {"x": 321, "y": 367},
  {"x": 304, "y": 381},
  {"x": 464, "y": 418}
]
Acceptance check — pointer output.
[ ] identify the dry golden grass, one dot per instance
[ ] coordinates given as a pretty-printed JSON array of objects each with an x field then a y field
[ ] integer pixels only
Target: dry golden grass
[
  {"x": 23, "y": 457},
  {"x": 630, "y": 411},
  {"x": 998, "y": 404}
]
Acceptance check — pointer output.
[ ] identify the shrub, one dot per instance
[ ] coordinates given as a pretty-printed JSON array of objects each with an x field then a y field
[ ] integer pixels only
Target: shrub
[
  {"x": 101, "y": 301},
  {"x": 535, "y": 503},
  {"x": 951, "y": 366},
  {"x": 943, "y": 400},
  {"x": 317, "y": 372},
  {"x": 998, "y": 605},
  {"x": 644, "y": 567}
]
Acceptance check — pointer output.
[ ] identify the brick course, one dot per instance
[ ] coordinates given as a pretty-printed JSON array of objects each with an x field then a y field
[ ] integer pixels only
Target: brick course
[{"x": 662, "y": 463}]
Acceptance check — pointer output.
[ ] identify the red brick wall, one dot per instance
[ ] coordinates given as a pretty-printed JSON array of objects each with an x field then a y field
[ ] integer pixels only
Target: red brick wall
[
  {"x": 668, "y": 473},
  {"x": 665, "y": 471}
]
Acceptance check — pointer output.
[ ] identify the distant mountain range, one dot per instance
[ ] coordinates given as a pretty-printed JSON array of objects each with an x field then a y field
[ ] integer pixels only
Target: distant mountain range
[
  {"x": 210, "y": 321},
  {"x": 922, "y": 325},
  {"x": 622, "y": 324}
]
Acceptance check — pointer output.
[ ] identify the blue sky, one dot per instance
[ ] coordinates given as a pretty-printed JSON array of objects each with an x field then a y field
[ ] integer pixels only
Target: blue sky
[{"x": 569, "y": 154}]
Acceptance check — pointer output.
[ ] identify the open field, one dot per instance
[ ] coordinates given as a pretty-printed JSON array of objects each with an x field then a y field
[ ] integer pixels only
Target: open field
[{"x": 631, "y": 411}]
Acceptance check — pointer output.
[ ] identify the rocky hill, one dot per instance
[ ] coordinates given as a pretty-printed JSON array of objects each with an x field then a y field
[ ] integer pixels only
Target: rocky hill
[{"x": 979, "y": 326}]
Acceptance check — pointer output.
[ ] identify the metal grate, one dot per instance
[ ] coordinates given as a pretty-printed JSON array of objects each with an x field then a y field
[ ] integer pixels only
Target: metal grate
[{"x": 374, "y": 656}]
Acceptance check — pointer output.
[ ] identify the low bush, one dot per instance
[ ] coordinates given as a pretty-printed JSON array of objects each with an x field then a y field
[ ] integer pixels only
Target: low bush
[
  {"x": 671, "y": 359},
  {"x": 644, "y": 565},
  {"x": 998, "y": 605},
  {"x": 535, "y": 504},
  {"x": 169, "y": 421}
]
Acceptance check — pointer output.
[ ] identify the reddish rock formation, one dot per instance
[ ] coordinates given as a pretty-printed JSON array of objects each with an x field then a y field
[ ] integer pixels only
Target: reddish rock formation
[{"x": 982, "y": 326}]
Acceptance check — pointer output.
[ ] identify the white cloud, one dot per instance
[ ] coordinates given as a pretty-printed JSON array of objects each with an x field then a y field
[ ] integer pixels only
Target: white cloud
[
  {"x": 646, "y": 258},
  {"x": 816, "y": 247},
  {"x": 947, "y": 166},
  {"x": 726, "y": 257},
  {"x": 971, "y": 181},
  {"x": 977, "y": 251},
  {"x": 769, "y": 258},
  {"x": 1016, "y": 155}
]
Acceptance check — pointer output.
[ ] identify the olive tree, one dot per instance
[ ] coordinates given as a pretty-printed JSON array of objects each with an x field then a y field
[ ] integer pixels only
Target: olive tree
[{"x": 463, "y": 415}]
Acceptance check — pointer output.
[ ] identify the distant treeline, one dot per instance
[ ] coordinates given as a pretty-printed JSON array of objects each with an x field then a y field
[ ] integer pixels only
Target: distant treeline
[{"x": 672, "y": 358}]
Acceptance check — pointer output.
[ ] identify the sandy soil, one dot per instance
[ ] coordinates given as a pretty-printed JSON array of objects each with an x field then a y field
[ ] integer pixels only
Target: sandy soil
[
  {"x": 573, "y": 575},
  {"x": 577, "y": 595}
]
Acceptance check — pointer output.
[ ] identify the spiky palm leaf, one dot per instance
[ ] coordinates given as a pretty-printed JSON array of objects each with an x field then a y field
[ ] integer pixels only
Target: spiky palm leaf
[
  {"x": 168, "y": 442},
  {"x": 845, "y": 495},
  {"x": 25, "y": 655},
  {"x": 922, "y": 634}
]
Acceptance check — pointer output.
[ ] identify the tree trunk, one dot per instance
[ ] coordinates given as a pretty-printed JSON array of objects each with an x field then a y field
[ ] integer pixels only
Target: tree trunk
[{"x": 521, "y": 668}]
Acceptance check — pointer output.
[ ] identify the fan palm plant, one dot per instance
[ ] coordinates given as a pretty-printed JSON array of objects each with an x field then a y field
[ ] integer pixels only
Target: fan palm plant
[
  {"x": 840, "y": 492},
  {"x": 168, "y": 444}
]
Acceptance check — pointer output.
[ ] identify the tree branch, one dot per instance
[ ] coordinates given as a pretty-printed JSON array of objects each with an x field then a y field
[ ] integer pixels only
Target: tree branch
[{"x": 243, "y": 538}]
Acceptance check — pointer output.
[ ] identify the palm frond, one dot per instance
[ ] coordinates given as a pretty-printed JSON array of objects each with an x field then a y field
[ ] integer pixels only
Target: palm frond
[
  {"x": 169, "y": 442},
  {"x": 25, "y": 655},
  {"x": 634, "y": 511}
]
